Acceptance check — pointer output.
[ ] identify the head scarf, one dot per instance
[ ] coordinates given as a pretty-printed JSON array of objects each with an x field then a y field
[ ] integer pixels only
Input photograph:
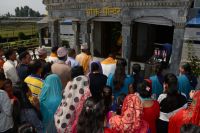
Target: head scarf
[
  {"x": 186, "y": 116},
  {"x": 130, "y": 120},
  {"x": 50, "y": 98},
  {"x": 99, "y": 64},
  {"x": 74, "y": 96},
  {"x": 42, "y": 51}
]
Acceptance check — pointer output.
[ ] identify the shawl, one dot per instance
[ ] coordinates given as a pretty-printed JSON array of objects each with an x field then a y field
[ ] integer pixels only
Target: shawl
[
  {"x": 50, "y": 98},
  {"x": 74, "y": 96},
  {"x": 191, "y": 115},
  {"x": 130, "y": 121}
]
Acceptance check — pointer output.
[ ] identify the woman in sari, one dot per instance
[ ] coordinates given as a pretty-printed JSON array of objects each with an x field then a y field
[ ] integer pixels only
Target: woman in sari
[
  {"x": 191, "y": 115},
  {"x": 186, "y": 80},
  {"x": 170, "y": 102},
  {"x": 97, "y": 80},
  {"x": 130, "y": 121},
  {"x": 151, "y": 107},
  {"x": 99, "y": 68},
  {"x": 120, "y": 81},
  {"x": 92, "y": 118},
  {"x": 50, "y": 99},
  {"x": 74, "y": 96}
]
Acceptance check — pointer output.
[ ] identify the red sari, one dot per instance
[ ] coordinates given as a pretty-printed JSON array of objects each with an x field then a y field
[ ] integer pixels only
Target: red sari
[
  {"x": 151, "y": 115},
  {"x": 131, "y": 119},
  {"x": 185, "y": 116}
]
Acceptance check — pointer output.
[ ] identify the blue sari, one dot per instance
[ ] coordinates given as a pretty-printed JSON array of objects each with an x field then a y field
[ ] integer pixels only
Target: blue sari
[
  {"x": 157, "y": 87},
  {"x": 184, "y": 85},
  {"x": 50, "y": 98},
  {"x": 124, "y": 89}
]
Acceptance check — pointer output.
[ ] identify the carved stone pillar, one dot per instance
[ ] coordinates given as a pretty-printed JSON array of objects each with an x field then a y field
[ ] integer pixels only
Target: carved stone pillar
[
  {"x": 177, "y": 48},
  {"x": 85, "y": 32},
  {"x": 54, "y": 27},
  {"x": 126, "y": 41},
  {"x": 76, "y": 29},
  {"x": 92, "y": 38},
  {"x": 40, "y": 37}
]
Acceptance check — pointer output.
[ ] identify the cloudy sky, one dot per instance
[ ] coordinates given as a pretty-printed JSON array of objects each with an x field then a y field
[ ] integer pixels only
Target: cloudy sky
[{"x": 10, "y": 5}]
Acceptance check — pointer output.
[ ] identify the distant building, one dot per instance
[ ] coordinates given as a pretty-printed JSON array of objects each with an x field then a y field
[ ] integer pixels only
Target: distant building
[
  {"x": 192, "y": 32},
  {"x": 130, "y": 28}
]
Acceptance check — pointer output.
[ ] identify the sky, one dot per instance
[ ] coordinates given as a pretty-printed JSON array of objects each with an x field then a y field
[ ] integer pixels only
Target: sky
[{"x": 10, "y": 5}]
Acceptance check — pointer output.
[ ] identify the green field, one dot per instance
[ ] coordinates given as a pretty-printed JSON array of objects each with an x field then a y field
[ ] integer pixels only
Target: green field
[
  {"x": 22, "y": 43},
  {"x": 12, "y": 30}
]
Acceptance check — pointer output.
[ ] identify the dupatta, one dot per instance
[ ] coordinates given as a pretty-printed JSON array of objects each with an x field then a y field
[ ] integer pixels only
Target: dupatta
[
  {"x": 50, "y": 98},
  {"x": 185, "y": 116},
  {"x": 74, "y": 96},
  {"x": 131, "y": 119}
]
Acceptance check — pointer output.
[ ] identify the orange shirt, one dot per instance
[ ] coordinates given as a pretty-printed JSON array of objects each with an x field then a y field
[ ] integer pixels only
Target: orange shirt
[
  {"x": 109, "y": 60},
  {"x": 84, "y": 61}
]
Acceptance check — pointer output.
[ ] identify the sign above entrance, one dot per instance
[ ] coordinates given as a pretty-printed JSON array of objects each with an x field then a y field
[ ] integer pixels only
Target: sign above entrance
[{"x": 105, "y": 11}]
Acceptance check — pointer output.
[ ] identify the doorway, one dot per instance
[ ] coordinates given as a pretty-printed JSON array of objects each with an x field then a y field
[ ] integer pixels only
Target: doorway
[
  {"x": 107, "y": 38},
  {"x": 147, "y": 37}
]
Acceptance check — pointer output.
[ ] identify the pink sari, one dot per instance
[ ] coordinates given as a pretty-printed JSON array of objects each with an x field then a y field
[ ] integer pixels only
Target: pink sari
[
  {"x": 74, "y": 96},
  {"x": 131, "y": 119}
]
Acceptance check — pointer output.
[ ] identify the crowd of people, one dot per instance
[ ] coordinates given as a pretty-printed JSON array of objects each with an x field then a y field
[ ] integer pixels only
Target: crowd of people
[{"x": 72, "y": 93}]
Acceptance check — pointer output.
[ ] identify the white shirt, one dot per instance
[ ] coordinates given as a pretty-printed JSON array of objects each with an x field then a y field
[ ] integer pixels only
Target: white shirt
[
  {"x": 72, "y": 62},
  {"x": 108, "y": 69},
  {"x": 6, "y": 121},
  {"x": 52, "y": 59},
  {"x": 166, "y": 116},
  {"x": 10, "y": 71}
]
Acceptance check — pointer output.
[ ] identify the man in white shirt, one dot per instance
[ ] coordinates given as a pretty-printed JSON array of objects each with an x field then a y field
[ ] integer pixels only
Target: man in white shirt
[
  {"x": 6, "y": 120},
  {"x": 71, "y": 58},
  {"x": 109, "y": 65},
  {"x": 9, "y": 66}
]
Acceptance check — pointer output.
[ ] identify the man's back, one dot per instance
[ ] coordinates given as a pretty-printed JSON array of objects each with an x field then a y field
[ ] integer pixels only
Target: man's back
[
  {"x": 108, "y": 66},
  {"x": 10, "y": 71},
  {"x": 63, "y": 71}
]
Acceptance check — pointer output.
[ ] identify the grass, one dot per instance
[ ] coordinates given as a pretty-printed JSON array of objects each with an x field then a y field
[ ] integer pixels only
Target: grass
[{"x": 12, "y": 30}]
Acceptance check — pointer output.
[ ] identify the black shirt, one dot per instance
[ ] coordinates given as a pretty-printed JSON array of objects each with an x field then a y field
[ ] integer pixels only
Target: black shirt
[{"x": 170, "y": 104}]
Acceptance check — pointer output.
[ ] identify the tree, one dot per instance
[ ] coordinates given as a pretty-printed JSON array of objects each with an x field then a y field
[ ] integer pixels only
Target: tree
[
  {"x": 21, "y": 36},
  {"x": 17, "y": 12},
  {"x": 8, "y": 14},
  {"x": 0, "y": 38},
  {"x": 194, "y": 60},
  {"x": 26, "y": 11}
]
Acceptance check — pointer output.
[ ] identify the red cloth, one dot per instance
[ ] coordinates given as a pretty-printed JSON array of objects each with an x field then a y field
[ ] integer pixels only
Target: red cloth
[
  {"x": 186, "y": 116},
  {"x": 107, "y": 130},
  {"x": 151, "y": 114},
  {"x": 1, "y": 63},
  {"x": 130, "y": 121}
]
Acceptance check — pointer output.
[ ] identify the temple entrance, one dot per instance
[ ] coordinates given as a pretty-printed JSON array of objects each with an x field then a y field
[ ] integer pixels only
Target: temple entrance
[
  {"x": 148, "y": 37},
  {"x": 107, "y": 38}
]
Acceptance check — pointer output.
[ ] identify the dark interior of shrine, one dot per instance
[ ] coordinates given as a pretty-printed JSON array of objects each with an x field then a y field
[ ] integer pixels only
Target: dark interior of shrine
[
  {"x": 147, "y": 37},
  {"x": 107, "y": 38}
]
